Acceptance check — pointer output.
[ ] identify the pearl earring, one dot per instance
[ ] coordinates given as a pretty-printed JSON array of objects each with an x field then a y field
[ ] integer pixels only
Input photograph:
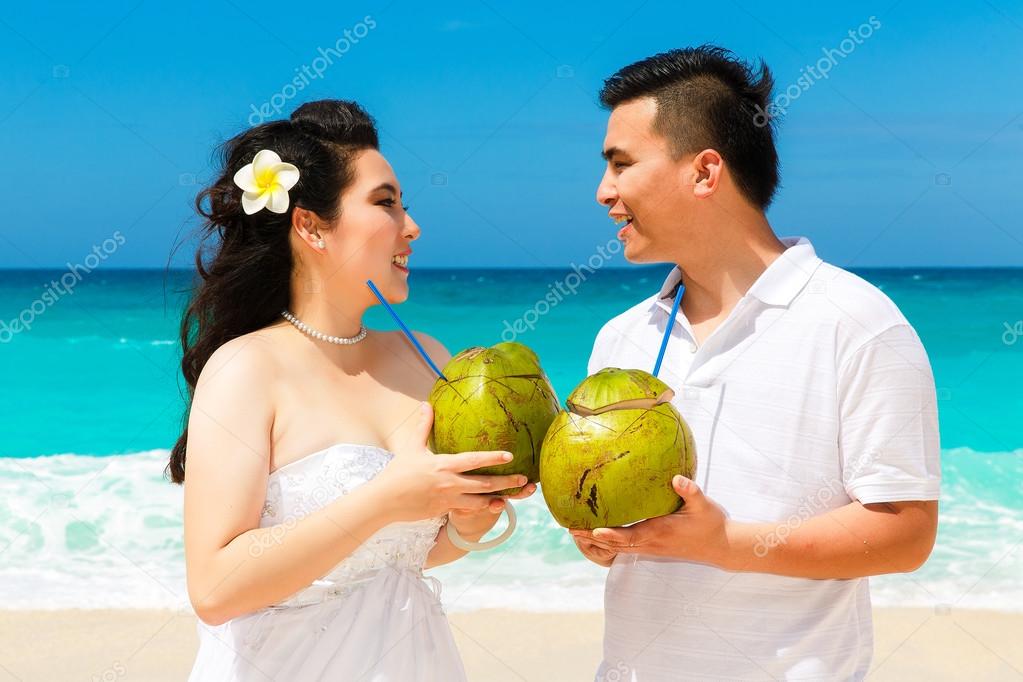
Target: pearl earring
[{"x": 322, "y": 244}]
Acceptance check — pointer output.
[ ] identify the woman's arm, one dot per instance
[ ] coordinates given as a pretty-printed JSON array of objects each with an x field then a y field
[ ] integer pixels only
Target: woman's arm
[
  {"x": 444, "y": 552},
  {"x": 471, "y": 526},
  {"x": 235, "y": 567}
]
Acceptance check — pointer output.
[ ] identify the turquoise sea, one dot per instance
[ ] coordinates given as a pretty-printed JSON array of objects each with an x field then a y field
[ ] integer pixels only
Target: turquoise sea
[{"x": 91, "y": 400}]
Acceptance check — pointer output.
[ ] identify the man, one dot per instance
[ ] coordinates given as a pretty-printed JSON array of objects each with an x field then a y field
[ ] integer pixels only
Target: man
[{"x": 810, "y": 397}]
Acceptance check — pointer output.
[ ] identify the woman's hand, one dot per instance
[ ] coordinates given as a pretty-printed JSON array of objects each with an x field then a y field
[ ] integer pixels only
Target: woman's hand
[
  {"x": 418, "y": 484},
  {"x": 473, "y": 525}
]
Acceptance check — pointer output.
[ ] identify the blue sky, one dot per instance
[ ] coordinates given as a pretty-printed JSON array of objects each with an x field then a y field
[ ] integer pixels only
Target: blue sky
[{"x": 908, "y": 153}]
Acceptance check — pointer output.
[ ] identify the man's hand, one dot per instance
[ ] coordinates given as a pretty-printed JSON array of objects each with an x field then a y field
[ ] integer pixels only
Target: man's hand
[
  {"x": 696, "y": 532},
  {"x": 852, "y": 541},
  {"x": 593, "y": 552}
]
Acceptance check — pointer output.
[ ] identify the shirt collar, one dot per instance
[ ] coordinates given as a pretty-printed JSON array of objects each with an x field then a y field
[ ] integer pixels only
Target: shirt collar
[{"x": 777, "y": 285}]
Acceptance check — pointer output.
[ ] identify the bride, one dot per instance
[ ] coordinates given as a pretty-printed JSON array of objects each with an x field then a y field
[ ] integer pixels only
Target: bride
[{"x": 312, "y": 503}]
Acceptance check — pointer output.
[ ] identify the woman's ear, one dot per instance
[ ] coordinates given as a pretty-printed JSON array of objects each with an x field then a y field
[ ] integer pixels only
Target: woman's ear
[
  {"x": 307, "y": 226},
  {"x": 707, "y": 167}
]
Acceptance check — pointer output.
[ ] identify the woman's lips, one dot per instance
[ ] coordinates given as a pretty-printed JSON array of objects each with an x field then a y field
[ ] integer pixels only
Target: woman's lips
[{"x": 625, "y": 231}]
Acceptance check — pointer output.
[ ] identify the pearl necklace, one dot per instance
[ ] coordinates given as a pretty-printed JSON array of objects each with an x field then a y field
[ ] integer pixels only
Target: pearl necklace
[{"x": 339, "y": 340}]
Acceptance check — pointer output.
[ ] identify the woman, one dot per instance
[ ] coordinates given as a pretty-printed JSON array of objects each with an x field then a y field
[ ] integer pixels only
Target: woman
[{"x": 312, "y": 503}]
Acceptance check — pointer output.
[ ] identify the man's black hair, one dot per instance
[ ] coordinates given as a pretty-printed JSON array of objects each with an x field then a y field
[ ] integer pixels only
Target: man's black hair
[{"x": 708, "y": 98}]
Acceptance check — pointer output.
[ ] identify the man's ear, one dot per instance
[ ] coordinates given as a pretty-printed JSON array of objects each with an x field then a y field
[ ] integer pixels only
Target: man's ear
[{"x": 706, "y": 168}]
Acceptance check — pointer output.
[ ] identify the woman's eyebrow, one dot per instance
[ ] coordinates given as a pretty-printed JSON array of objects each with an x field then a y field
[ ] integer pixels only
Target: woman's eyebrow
[{"x": 386, "y": 186}]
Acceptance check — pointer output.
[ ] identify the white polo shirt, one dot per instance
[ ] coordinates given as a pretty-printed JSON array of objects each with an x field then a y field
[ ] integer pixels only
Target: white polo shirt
[{"x": 814, "y": 392}]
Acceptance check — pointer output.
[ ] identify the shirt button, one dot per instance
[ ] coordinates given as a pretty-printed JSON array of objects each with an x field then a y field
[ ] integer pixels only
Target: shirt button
[{"x": 693, "y": 348}]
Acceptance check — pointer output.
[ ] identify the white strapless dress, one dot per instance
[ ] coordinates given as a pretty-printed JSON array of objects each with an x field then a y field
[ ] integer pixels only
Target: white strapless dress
[{"x": 374, "y": 618}]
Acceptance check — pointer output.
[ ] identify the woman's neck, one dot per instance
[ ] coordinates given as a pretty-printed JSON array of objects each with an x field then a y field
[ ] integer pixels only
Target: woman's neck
[{"x": 325, "y": 313}]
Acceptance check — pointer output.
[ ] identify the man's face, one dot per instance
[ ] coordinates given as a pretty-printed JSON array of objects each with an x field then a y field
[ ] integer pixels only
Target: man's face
[{"x": 647, "y": 191}]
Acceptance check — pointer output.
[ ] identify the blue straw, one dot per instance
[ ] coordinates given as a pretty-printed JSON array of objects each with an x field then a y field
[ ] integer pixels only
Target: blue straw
[
  {"x": 409, "y": 334},
  {"x": 668, "y": 328}
]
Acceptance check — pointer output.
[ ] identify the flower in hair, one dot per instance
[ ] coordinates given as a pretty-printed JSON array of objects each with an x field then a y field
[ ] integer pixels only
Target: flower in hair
[{"x": 265, "y": 183}]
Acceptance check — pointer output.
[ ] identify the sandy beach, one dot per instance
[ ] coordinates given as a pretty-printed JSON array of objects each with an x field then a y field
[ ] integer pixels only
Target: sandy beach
[{"x": 154, "y": 645}]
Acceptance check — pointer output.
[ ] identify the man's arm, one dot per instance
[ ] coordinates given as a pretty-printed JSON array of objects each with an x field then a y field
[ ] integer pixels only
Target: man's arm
[{"x": 853, "y": 541}]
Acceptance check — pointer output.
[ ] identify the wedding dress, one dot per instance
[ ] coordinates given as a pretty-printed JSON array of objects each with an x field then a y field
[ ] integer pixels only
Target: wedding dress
[{"x": 373, "y": 618}]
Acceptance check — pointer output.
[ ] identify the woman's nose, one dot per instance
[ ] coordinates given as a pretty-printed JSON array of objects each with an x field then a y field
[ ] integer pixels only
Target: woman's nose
[{"x": 411, "y": 228}]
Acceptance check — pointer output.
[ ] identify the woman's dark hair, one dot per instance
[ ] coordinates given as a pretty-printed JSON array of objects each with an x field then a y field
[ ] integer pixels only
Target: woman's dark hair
[
  {"x": 708, "y": 98},
  {"x": 247, "y": 279}
]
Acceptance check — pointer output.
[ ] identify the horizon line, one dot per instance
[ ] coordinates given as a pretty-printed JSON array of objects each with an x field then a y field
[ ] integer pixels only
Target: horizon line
[{"x": 636, "y": 266}]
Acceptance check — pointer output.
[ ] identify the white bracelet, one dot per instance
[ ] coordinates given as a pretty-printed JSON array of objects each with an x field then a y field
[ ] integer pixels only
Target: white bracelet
[{"x": 469, "y": 546}]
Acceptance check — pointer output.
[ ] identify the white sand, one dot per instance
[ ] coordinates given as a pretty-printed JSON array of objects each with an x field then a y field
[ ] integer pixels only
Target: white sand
[{"x": 497, "y": 645}]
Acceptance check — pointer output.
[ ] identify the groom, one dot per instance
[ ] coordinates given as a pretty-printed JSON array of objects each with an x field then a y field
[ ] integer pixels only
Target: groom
[{"x": 809, "y": 395}]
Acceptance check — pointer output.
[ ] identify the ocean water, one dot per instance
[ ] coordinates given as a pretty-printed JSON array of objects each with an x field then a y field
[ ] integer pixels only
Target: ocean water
[{"x": 91, "y": 400}]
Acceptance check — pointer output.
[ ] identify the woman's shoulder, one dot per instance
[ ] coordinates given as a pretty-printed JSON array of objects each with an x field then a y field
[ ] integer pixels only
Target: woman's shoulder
[
  {"x": 437, "y": 351},
  {"x": 434, "y": 348},
  {"x": 247, "y": 362}
]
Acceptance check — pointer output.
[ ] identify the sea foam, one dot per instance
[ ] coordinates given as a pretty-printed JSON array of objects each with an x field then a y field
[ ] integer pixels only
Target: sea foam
[{"x": 82, "y": 531}]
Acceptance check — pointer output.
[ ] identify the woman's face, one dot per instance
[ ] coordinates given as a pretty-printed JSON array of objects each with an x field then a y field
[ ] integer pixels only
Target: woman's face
[{"x": 372, "y": 236}]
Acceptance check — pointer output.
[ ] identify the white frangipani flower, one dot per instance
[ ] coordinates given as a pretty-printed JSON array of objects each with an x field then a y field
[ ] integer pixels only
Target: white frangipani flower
[{"x": 265, "y": 182}]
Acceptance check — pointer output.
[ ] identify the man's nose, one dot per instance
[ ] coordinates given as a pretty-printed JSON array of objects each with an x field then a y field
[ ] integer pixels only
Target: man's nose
[{"x": 607, "y": 194}]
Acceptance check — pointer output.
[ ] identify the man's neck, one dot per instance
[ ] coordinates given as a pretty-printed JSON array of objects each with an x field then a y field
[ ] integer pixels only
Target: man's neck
[{"x": 719, "y": 274}]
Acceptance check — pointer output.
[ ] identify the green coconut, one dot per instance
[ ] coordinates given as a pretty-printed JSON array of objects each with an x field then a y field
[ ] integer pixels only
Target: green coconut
[
  {"x": 496, "y": 398},
  {"x": 609, "y": 459}
]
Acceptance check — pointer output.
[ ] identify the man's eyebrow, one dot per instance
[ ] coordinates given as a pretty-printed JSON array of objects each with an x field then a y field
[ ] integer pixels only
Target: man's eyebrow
[{"x": 611, "y": 152}]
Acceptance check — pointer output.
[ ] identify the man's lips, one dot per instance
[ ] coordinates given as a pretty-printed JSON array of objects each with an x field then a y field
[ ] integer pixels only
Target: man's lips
[{"x": 625, "y": 220}]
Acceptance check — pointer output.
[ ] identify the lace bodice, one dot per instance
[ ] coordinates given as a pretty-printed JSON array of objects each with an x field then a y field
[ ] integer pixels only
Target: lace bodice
[{"x": 301, "y": 487}]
